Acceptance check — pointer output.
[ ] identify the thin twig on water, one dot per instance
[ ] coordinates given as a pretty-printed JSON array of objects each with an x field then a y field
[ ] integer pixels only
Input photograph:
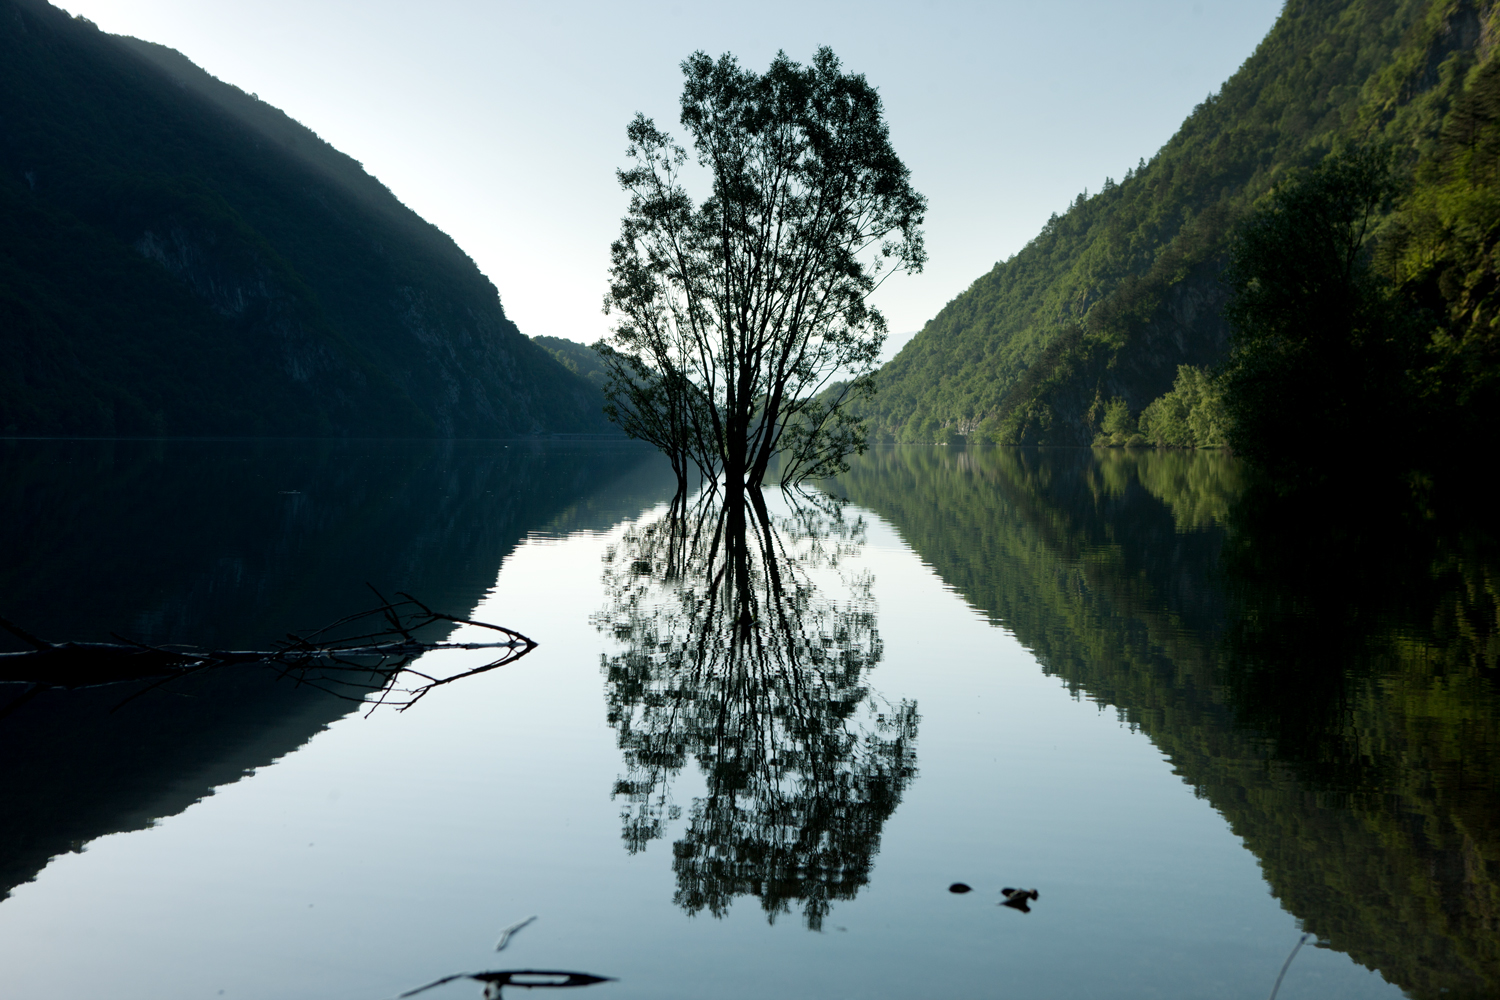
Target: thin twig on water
[{"x": 1288, "y": 964}]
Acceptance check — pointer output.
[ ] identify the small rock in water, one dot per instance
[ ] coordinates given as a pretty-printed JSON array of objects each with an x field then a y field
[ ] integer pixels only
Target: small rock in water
[
  {"x": 1017, "y": 899},
  {"x": 960, "y": 887}
]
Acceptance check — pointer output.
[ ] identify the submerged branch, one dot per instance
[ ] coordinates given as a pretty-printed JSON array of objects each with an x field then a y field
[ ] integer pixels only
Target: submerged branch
[{"x": 364, "y": 657}]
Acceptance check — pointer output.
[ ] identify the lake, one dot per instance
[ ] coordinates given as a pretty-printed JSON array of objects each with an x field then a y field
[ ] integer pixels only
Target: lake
[{"x": 1198, "y": 722}]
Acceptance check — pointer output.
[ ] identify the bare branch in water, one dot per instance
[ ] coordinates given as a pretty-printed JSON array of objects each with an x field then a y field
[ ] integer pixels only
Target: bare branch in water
[
  {"x": 365, "y": 657},
  {"x": 524, "y": 978}
]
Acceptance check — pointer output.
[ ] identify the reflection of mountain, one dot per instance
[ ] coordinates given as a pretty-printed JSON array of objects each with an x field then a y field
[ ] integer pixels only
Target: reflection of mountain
[
  {"x": 732, "y": 658},
  {"x": 230, "y": 545},
  {"x": 1326, "y": 681}
]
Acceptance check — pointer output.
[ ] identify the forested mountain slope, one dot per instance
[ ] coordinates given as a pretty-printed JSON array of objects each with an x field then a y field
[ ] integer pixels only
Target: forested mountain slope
[
  {"x": 580, "y": 359},
  {"x": 178, "y": 257},
  {"x": 1124, "y": 286}
]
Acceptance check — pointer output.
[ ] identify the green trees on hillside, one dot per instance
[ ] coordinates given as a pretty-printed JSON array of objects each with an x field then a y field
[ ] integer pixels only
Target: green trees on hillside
[
  {"x": 1346, "y": 335},
  {"x": 1190, "y": 416},
  {"x": 1123, "y": 288},
  {"x": 1117, "y": 426},
  {"x": 1363, "y": 304},
  {"x": 1442, "y": 249},
  {"x": 575, "y": 357},
  {"x": 1323, "y": 345}
]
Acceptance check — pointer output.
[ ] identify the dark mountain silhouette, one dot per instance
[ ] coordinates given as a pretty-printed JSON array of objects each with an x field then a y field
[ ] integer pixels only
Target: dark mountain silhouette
[{"x": 178, "y": 257}]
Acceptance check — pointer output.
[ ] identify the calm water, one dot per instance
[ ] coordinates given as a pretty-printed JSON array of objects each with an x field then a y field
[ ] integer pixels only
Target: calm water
[{"x": 1199, "y": 724}]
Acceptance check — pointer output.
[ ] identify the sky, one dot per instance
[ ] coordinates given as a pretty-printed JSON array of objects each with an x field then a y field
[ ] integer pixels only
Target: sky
[{"x": 503, "y": 123}]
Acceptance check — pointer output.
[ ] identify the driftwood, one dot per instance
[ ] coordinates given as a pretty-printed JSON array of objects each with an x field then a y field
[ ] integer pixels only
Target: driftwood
[
  {"x": 529, "y": 979},
  {"x": 351, "y": 658}
]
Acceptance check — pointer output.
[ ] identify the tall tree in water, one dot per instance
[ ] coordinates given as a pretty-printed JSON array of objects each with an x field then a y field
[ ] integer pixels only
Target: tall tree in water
[{"x": 744, "y": 322}]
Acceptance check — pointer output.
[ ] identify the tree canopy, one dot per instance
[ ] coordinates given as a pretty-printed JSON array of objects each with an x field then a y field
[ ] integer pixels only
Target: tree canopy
[
  {"x": 737, "y": 314},
  {"x": 1320, "y": 341}
]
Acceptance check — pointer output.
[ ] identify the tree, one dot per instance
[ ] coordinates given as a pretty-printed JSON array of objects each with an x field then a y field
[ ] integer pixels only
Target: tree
[
  {"x": 1321, "y": 345},
  {"x": 1191, "y": 415},
  {"x": 652, "y": 400},
  {"x": 735, "y": 315},
  {"x": 1445, "y": 251}
]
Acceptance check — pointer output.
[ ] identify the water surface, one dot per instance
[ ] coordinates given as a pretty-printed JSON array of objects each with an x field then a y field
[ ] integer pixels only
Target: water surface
[{"x": 1121, "y": 679}]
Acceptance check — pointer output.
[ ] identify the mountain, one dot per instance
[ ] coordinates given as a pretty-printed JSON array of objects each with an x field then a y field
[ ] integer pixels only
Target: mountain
[
  {"x": 179, "y": 258},
  {"x": 1117, "y": 292},
  {"x": 577, "y": 358}
]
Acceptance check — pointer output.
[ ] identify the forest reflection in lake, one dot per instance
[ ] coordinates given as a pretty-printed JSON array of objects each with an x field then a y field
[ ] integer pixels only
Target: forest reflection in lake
[
  {"x": 1322, "y": 669},
  {"x": 728, "y": 729}
]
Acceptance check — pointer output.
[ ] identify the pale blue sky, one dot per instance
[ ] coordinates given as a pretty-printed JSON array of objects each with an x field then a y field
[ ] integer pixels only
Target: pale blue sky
[{"x": 503, "y": 123}]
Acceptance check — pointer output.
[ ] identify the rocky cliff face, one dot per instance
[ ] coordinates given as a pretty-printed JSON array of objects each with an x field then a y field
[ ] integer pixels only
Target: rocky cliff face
[
  {"x": 248, "y": 296},
  {"x": 1188, "y": 329},
  {"x": 178, "y": 257}
]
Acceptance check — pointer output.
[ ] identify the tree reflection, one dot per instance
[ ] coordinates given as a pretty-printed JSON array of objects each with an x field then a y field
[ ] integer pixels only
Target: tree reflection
[{"x": 733, "y": 658}]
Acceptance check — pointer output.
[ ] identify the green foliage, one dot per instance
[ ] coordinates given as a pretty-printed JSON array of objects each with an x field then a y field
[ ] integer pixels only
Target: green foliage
[
  {"x": 987, "y": 431},
  {"x": 1442, "y": 249},
  {"x": 920, "y": 430},
  {"x": 1123, "y": 287},
  {"x": 1190, "y": 416},
  {"x": 1117, "y": 423},
  {"x": 1321, "y": 345},
  {"x": 577, "y": 358}
]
